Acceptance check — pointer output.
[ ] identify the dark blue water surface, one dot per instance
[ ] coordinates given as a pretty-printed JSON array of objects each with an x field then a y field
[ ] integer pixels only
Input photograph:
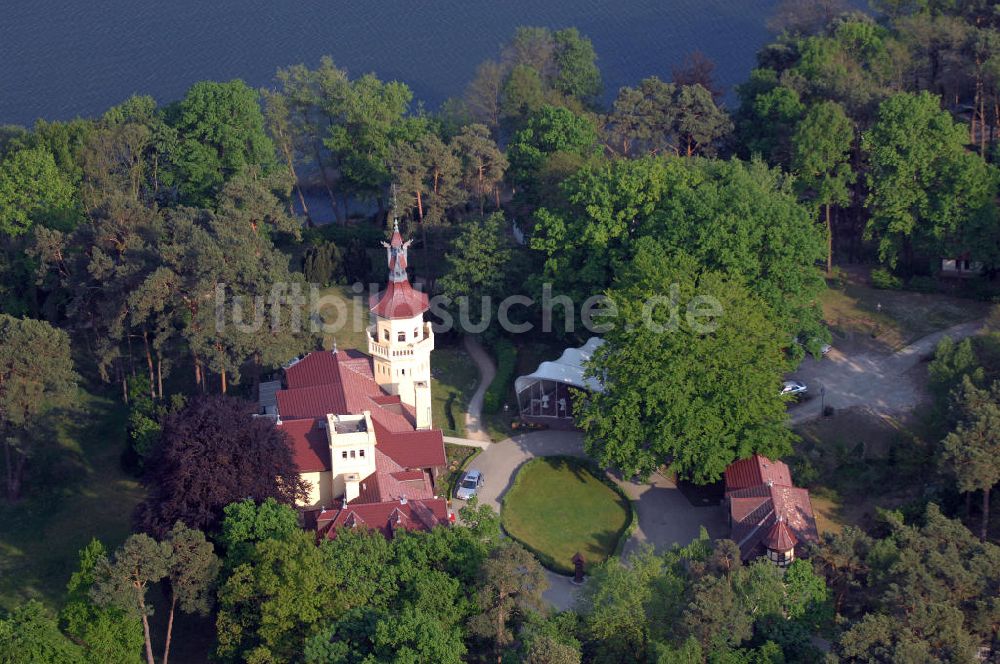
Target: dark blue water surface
[{"x": 62, "y": 58}]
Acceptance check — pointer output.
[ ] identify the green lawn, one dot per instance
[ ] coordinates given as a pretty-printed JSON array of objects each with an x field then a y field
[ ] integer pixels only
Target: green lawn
[
  {"x": 350, "y": 320},
  {"x": 558, "y": 507},
  {"x": 74, "y": 490},
  {"x": 453, "y": 381}
]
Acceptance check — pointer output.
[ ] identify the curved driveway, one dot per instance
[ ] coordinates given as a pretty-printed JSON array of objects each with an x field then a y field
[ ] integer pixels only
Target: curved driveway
[{"x": 665, "y": 516}]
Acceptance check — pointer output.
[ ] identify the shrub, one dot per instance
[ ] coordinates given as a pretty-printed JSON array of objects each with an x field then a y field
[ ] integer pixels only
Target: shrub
[
  {"x": 836, "y": 279},
  {"x": 804, "y": 472},
  {"x": 980, "y": 289},
  {"x": 323, "y": 264},
  {"x": 506, "y": 357},
  {"x": 882, "y": 278}
]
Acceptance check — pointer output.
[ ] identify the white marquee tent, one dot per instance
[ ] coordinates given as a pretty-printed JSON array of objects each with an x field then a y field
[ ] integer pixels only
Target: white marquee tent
[{"x": 545, "y": 392}]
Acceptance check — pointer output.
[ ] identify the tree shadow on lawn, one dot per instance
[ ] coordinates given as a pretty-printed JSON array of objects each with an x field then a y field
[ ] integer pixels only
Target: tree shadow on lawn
[{"x": 74, "y": 490}]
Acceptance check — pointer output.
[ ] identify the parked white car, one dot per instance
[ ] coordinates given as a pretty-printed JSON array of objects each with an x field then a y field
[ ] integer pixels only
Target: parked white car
[
  {"x": 793, "y": 388},
  {"x": 469, "y": 485}
]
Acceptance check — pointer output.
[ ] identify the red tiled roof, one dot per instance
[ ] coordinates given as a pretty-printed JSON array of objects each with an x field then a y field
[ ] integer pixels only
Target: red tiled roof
[
  {"x": 755, "y": 510},
  {"x": 391, "y": 481},
  {"x": 311, "y": 402},
  {"x": 310, "y": 447},
  {"x": 780, "y": 538},
  {"x": 755, "y": 471},
  {"x": 322, "y": 368},
  {"x": 409, "y": 475},
  {"x": 399, "y": 300},
  {"x": 411, "y": 449},
  {"x": 388, "y": 517}
]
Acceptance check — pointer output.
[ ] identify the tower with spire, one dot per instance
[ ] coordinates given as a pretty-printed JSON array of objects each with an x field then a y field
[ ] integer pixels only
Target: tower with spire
[{"x": 399, "y": 340}]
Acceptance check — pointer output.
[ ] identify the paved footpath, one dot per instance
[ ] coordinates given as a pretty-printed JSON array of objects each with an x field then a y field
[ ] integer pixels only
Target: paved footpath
[
  {"x": 474, "y": 428},
  {"x": 881, "y": 382}
]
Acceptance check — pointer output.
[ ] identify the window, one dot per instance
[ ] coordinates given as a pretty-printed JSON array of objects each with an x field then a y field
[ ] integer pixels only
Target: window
[
  {"x": 352, "y": 454},
  {"x": 361, "y": 453},
  {"x": 401, "y": 336},
  {"x": 385, "y": 334},
  {"x": 416, "y": 333},
  {"x": 402, "y": 371},
  {"x": 344, "y": 454}
]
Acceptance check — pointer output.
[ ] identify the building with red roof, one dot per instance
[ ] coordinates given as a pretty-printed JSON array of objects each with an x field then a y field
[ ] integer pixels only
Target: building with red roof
[
  {"x": 768, "y": 514},
  {"x": 360, "y": 425}
]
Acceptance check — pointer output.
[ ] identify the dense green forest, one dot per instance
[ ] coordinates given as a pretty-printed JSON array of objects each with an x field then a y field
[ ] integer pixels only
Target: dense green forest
[{"x": 857, "y": 139}]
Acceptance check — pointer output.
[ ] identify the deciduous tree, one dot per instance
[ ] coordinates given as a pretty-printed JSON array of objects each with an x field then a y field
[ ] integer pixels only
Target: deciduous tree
[
  {"x": 694, "y": 394},
  {"x": 213, "y": 453},
  {"x": 108, "y": 634},
  {"x": 221, "y": 134},
  {"x": 34, "y": 191},
  {"x": 927, "y": 192},
  {"x": 28, "y": 635}
]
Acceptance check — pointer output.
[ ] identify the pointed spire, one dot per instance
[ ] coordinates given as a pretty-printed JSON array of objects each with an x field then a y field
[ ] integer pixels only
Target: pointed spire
[
  {"x": 399, "y": 299},
  {"x": 396, "y": 251}
]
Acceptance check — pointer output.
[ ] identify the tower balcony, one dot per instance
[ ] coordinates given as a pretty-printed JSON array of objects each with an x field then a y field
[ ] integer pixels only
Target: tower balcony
[{"x": 395, "y": 349}]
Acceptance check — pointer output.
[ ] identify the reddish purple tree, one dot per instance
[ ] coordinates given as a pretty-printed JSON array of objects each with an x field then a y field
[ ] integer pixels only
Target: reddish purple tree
[
  {"x": 698, "y": 69},
  {"x": 213, "y": 453}
]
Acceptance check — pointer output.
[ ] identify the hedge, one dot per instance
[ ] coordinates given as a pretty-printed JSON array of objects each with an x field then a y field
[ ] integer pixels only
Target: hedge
[
  {"x": 460, "y": 473},
  {"x": 885, "y": 280},
  {"x": 506, "y": 358}
]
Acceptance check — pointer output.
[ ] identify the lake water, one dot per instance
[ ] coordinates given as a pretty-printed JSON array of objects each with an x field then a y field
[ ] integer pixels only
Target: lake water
[{"x": 62, "y": 58}]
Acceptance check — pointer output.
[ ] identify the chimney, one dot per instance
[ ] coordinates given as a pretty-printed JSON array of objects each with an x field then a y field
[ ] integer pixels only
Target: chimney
[
  {"x": 352, "y": 483},
  {"x": 422, "y": 404}
]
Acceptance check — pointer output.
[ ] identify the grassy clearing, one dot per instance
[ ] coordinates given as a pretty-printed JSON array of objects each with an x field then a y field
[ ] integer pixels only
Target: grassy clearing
[
  {"x": 348, "y": 312},
  {"x": 75, "y": 490},
  {"x": 453, "y": 381},
  {"x": 558, "y": 507},
  {"x": 857, "y": 461},
  {"x": 889, "y": 320}
]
